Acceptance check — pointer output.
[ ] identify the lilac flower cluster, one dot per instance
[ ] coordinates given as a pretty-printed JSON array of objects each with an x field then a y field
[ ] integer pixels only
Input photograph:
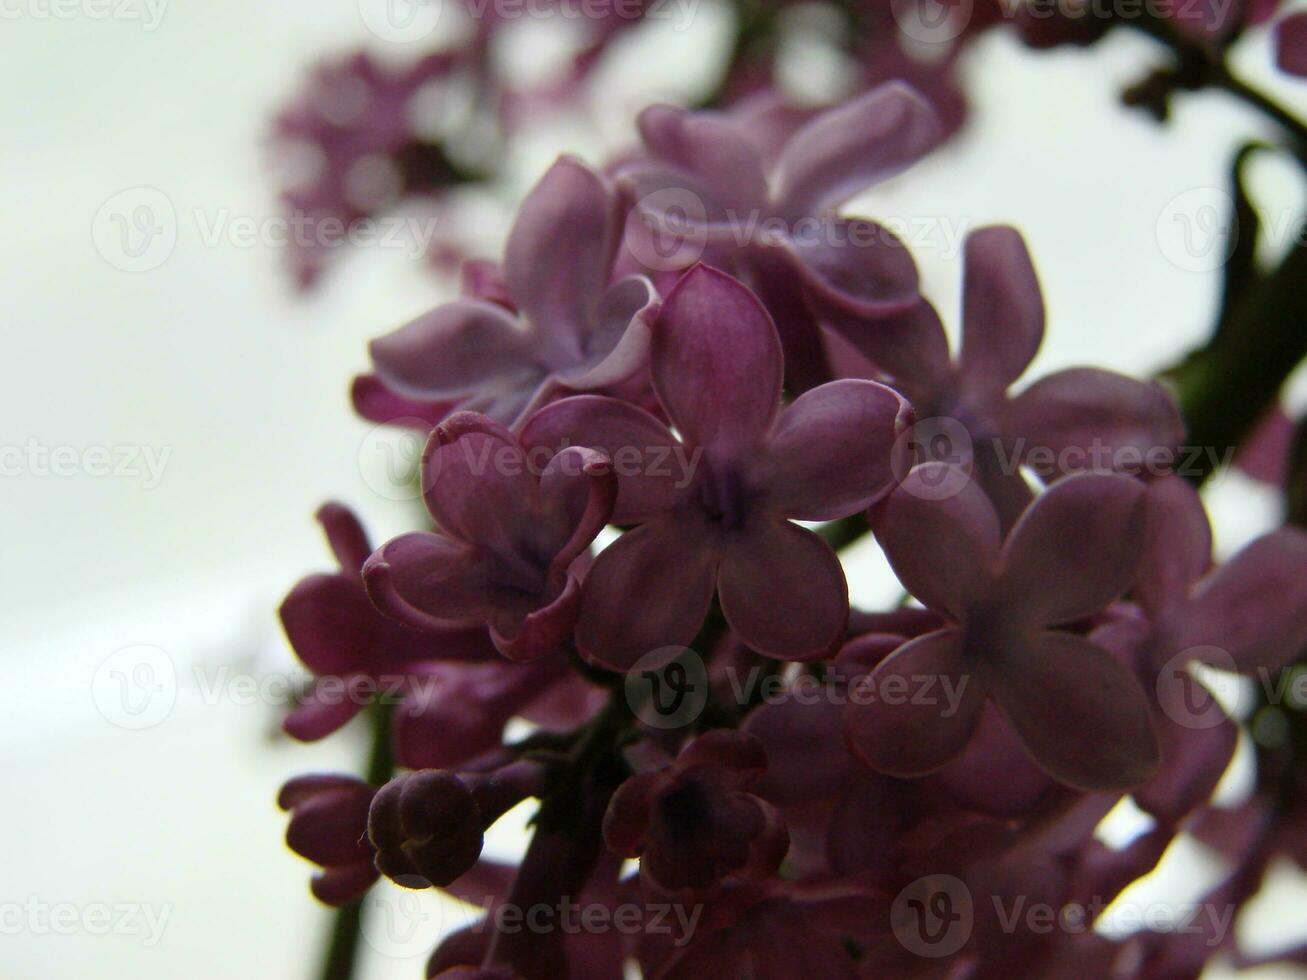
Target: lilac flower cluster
[{"x": 700, "y": 410}]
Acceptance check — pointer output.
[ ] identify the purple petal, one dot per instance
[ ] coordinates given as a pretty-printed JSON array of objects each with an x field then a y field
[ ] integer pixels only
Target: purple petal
[
  {"x": 375, "y": 402},
  {"x": 618, "y": 347},
  {"x": 477, "y": 483},
  {"x": 854, "y": 267},
  {"x": 1002, "y": 310},
  {"x": 717, "y": 363},
  {"x": 577, "y": 491},
  {"x": 945, "y": 550},
  {"x": 559, "y": 254},
  {"x": 1252, "y": 607},
  {"x": 349, "y": 542},
  {"x": 650, "y": 588},
  {"x": 1075, "y": 549},
  {"x": 1291, "y": 44},
  {"x": 847, "y": 149},
  {"x": 1178, "y": 549},
  {"x": 427, "y": 581},
  {"x": 330, "y": 624},
  {"x": 995, "y": 775},
  {"x": 1195, "y": 754},
  {"x": 457, "y": 349},
  {"x": 1084, "y": 418},
  {"x": 911, "y": 347},
  {"x": 710, "y": 149},
  {"x": 1079, "y": 711},
  {"x": 653, "y": 469},
  {"x": 896, "y": 732},
  {"x": 833, "y": 451},
  {"x": 782, "y": 590},
  {"x": 543, "y": 631},
  {"x": 321, "y": 712}
]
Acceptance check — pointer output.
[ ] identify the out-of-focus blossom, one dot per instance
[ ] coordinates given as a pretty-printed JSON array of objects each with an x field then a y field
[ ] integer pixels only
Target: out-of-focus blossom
[{"x": 328, "y": 825}]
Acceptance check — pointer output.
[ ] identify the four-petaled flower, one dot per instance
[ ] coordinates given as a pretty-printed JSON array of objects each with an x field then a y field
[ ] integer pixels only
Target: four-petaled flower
[{"x": 725, "y": 525}]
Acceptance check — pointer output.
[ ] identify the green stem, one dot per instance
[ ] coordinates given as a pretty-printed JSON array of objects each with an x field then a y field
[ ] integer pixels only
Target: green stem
[{"x": 342, "y": 950}]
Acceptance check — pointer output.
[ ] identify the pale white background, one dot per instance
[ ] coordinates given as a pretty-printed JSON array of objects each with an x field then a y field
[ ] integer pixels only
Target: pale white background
[{"x": 212, "y": 359}]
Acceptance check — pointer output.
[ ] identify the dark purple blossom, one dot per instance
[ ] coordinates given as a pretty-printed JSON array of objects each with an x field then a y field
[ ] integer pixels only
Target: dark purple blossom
[
  {"x": 328, "y": 825},
  {"x": 569, "y": 327},
  {"x": 508, "y": 538},
  {"x": 1079, "y": 711},
  {"x": 721, "y": 522}
]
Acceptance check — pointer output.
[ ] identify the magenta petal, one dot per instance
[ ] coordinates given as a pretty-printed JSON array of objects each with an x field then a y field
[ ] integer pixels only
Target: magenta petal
[
  {"x": 1079, "y": 711},
  {"x": 1291, "y": 44},
  {"x": 1075, "y": 549},
  {"x": 577, "y": 491},
  {"x": 559, "y": 253},
  {"x": 1195, "y": 754},
  {"x": 543, "y": 631},
  {"x": 1002, "y": 310},
  {"x": 618, "y": 346},
  {"x": 782, "y": 590},
  {"x": 456, "y": 349},
  {"x": 375, "y": 402},
  {"x": 477, "y": 483},
  {"x": 330, "y": 623},
  {"x": 343, "y": 884},
  {"x": 653, "y": 469},
  {"x": 1084, "y": 418},
  {"x": 712, "y": 150},
  {"x": 854, "y": 267},
  {"x": 995, "y": 775},
  {"x": 318, "y": 715},
  {"x": 1252, "y": 607},
  {"x": 845, "y": 150},
  {"x": 717, "y": 363},
  {"x": 944, "y": 549},
  {"x": 910, "y": 346},
  {"x": 899, "y": 726},
  {"x": 1178, "y": 549},
  {"x": 428, "y": 581},
  {"x": 650, "y": 588},
  {"x": 833, "y": 451}
]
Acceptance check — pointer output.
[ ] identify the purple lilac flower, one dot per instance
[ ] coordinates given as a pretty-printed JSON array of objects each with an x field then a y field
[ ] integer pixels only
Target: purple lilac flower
[
  {"x": 706, "y": 189},
  {"x": 1079, "y": 712},
  {"x": 1080, "y": 418},
  {"x": 508, "y": 539},
  {"x": 328, "y": 825},
  {"x": 720, "y": 522},
  {"x": 569, "y": 328},
  {"x": 1291, "y": 44},
  {"x": 695, "y": 822}
]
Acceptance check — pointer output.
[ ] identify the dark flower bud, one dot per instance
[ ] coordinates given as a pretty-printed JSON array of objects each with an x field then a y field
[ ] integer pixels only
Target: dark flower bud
[{"x": 328, "y": 825}]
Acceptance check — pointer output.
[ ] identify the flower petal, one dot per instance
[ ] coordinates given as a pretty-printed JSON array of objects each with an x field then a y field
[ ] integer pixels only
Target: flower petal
[
  {"x": 832, "y": 452},
  {"x": 717, "y": 363},
  {"x": 477, "y": 483},
  {"x": 559, "y": 254},
  {"x": 618, "y": 346},
  {"x": 459, "y": 348},
  {"x": 375, "y": 402},
  {"x": 900, "y": 734},
  {"x": 782, "y": 590},
  {"x": 847, "y": 149},
  {"x": 910, "y": 346},
  {"x": 330, "y": 623},
  {"x": 543, "y": 631},
  {"x": 712, "y": 150},
  {"x": 653, "y": 469},
  {"x": 1075, "y": 549},
  {"x": 854, "y": 267},
  {"x": 941, "y": 536},
  {"x": 650, "y": 588},
  {"x": 1079, "y": 711},
  {"x": 427, "y": 581},
  {"x": 1252, "y": 607},
  {"x": 1178, "y": 549},
  {"x": 1002, "y": 310},
  {"x": 1291, "y": 44},
  {"x": 577, "y": 491},
  {"x": 1084, "y": 418}
]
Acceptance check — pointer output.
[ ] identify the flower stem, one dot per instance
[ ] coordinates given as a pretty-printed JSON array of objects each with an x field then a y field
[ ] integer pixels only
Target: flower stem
[{"x": 342, "y": 949}]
